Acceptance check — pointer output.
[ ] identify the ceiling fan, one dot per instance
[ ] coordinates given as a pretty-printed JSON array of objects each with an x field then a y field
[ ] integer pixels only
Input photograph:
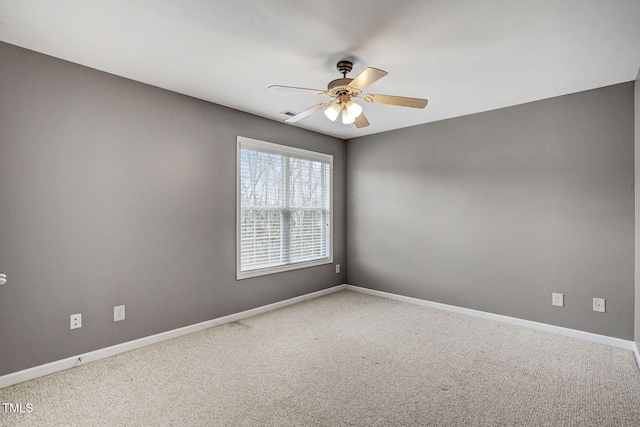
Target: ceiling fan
[{"x": 344, "y": 90}]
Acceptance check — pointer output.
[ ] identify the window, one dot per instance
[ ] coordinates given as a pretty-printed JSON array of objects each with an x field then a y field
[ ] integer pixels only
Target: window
[{"x": 284, "y": 214}]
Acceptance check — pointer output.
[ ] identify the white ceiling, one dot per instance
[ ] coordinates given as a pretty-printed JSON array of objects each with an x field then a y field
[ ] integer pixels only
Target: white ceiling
[{"x": 464, "y": 56}]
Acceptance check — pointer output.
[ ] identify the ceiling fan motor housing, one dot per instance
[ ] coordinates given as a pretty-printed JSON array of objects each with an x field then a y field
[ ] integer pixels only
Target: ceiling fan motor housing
[{"x": 340, "y": 86}]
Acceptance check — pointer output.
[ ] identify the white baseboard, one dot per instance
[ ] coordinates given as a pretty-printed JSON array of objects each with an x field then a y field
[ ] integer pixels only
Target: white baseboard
[
  {"x": 587, "y": 336},
  {"x": 70, "y": 362}
]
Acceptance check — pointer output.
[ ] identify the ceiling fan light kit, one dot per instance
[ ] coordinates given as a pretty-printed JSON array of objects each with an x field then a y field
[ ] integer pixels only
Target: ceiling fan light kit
[
  {"x": 333, "y": 112},
  {"x": 347, "y": 119},
  {"x": 353, "y": 109},
  {"x": 344, "y": 89}
]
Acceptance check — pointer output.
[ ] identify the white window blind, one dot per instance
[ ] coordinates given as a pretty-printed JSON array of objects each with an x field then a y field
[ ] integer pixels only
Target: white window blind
[{"x": 284, "y": 208}]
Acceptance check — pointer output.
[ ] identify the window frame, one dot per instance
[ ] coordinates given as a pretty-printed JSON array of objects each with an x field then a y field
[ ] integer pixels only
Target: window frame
[{"x": 285, "y": 150}]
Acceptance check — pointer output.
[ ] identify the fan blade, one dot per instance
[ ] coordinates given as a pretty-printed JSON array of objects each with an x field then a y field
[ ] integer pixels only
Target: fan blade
[
  {"x": 368, "y": 76},
  {"x": 396, "y": 100},
  {"x": 307, "y": 112},
  {"x": 361, "y": 121},
  {"x": 300, "y": 89}
]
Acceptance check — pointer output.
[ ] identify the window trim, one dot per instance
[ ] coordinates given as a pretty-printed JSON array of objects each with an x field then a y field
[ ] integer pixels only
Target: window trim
[{"x": 269, "y": 147}]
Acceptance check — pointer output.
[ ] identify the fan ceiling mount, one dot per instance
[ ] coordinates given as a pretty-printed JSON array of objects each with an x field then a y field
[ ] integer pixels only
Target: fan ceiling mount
[{"x": 343, "y": 90}]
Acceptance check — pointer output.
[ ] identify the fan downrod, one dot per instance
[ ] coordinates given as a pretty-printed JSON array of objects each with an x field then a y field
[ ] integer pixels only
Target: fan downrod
[{"x": 344, "y": 67}]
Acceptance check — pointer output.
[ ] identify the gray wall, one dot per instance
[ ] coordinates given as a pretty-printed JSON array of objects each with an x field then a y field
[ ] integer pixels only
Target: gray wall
[
  {"x": 495, "y": 211},
  {"x": 637, "y": 190},
  {"x": 114, "y": 192}
]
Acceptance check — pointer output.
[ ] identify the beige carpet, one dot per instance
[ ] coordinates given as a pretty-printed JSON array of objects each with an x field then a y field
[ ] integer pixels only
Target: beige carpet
[{"x": 346, "y": 359}]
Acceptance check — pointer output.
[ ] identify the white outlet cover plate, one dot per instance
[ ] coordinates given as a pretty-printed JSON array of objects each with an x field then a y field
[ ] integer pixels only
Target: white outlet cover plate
[
  {"x": 557, "y": 299},
  {"x": 118, "y": 313},
  {"x": 599, "y": 305},
  {"x": 75, "y": 321}
]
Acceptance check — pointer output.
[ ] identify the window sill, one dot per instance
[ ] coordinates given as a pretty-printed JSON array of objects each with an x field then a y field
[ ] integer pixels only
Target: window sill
[{"x": 281, "y": 268}]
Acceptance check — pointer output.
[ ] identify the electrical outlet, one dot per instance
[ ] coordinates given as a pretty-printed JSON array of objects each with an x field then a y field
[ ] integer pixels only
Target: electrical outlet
[
  {"x": 118, "y": 313},
  {"x": 598, "y": 304},
  {"x": 75, "y": 321},
  {"x": 337, "y": 268},
  {"x": 557, "y": 299}
]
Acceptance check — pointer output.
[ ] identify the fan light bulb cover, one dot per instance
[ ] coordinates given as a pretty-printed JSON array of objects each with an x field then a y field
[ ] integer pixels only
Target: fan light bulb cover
[
  {"x": 333, "y": 112},
  {"x": 353, "y": 109},
  {"x": 347, "y": 119}
]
